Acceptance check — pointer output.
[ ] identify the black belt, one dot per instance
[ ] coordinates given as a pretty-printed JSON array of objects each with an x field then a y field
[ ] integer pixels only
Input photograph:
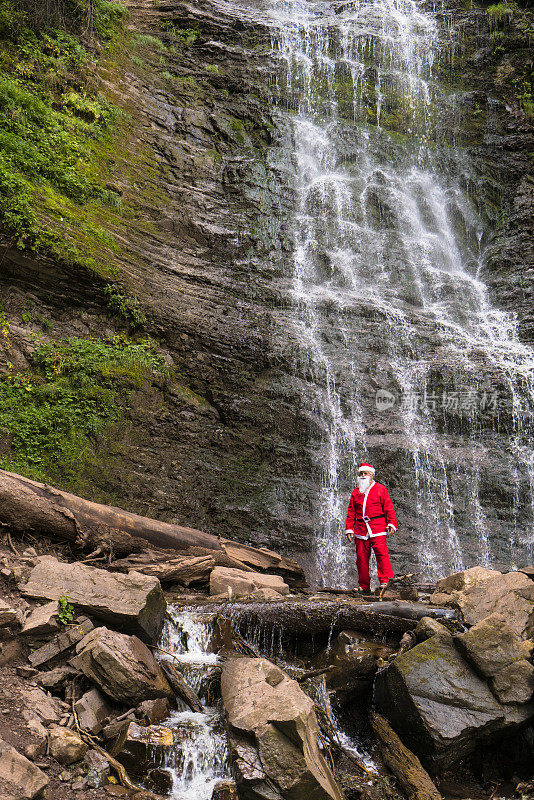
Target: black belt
[{"x": 368, "y": 519}]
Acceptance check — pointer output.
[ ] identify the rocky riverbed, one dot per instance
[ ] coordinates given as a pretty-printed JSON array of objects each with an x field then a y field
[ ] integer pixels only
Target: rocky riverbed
[{"x": 242, "y": 687}]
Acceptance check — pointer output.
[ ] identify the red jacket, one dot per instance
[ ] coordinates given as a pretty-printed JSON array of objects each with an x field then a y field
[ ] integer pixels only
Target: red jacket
[{"x": 377, "y": 508}]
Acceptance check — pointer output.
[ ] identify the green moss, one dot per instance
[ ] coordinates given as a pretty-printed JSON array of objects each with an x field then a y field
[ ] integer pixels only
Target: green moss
[
  {"x": 125, "y": 305},
  {"x": 238, "y": 129},
  {"x": 52, "y": 416},
  {"x": 50, "y": 116}
]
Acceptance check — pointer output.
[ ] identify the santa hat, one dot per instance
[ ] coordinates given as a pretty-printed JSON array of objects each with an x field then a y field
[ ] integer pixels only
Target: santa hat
[{"x": 367, "y": 466}]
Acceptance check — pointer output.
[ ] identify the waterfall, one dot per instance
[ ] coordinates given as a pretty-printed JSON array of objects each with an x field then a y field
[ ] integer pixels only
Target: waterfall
[{"x": 399, "y": 350}]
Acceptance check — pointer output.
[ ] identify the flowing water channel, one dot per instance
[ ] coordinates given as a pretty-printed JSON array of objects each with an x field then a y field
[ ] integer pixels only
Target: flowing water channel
[
  {"x": 199, "y": 758},
  {"x": 399, "y": 350}
]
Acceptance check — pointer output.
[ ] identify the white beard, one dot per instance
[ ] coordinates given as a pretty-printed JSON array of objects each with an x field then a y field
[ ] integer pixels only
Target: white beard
[{"x": 363, "y": 484}]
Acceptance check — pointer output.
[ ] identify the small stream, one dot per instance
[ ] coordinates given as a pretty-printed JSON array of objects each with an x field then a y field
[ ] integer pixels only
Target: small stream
[{"x": 199, "y": 757}]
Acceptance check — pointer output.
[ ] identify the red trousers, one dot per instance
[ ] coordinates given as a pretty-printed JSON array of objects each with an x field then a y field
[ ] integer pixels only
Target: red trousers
[{"x": 363, "y": 554}]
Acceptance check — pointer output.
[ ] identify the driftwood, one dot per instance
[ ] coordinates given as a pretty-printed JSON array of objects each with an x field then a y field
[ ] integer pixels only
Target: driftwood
[
  {"x": 406, "y": 767},
  {"x": 185, "y": 570},
  {"x": 194, "y": 566},
  {"x": 305, "y": 618},
  {"x": 30, "y": 507},
  {"x": 180, "y": 687}
]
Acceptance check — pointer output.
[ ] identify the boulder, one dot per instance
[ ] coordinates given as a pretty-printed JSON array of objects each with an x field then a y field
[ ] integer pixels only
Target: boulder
[
  {"x": 122, "y": 666},
  {"x": 133, "y": 602},
  {"x": 238, "y": 583},
  {"x": 37, "y": 746},
  {"x": 160, "y": 780},
  {"x": 62, "y": 642},
  {"x": 479, "y": 592},
  {"x": 514, "y": 683},
  {"x": 28, "y": 779},
  {"x": 9, "y": 617},
  {"x": 466, "y": 580},
  {"x": 96, "y": 768},
  {"x": 248, "y": 769},
  {"x": 42, "y": 620},
  {"x": 490, "y": 645},
  {"x": 144, "y": 747},
  {"x": 55, "y": 679},
  {"x": 436, "y": 702},
  {"x": 65, "y": 745},
  {"x": 225, "y": 790},
  {"x": 41, "y": 705},
  {"x": 265, "y": 594},
  {"x": 352, "y": 658},
  {"x": 92, "y": 709},
  {"x": 151, "y": 712},
  {"x": 427, "y": 627},
  {"x": 262, "y": 701}
]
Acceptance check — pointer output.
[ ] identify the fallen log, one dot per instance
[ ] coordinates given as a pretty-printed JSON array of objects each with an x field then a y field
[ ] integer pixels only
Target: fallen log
[
  {"x": 180, "y": 687},
  {"x": 29, "y": 506},
  {"x": 406, "y": 767},
  {"x": 168, "y": 568},
  {"x": 308, "y": 617},
  {"x": 194, "y": 566}
]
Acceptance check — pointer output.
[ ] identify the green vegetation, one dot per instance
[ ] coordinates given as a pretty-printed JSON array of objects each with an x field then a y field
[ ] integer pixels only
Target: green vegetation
[
  {"x": 185, "y": 36},
  {"x": 150, "y": 41},
  {"x": 66, "y": 610},
  {"x": 51, "y": 118},
  {"x": 125, "y": 306},
  {"x": 512, "y": 33},
  {"x": 53, "y": 416},
  {"x": 499, "y": 15}
]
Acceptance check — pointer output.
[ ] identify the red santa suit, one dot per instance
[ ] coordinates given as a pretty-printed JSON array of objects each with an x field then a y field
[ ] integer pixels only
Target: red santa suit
[{"x": 367, "y": 517}]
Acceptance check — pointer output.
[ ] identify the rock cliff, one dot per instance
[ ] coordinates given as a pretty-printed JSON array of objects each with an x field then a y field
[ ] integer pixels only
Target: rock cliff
[{"x": 188, "y": 242}]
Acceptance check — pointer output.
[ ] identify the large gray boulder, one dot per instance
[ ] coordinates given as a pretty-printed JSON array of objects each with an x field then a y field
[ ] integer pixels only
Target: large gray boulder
[
  {"x": 479, "y": 592},
  {"x": 491, "y": 645},
  {"x": 122, "y": 666},
  {"x": 133, "y": 603},
  {"x": 436, "y": 702},
  {"x": 261, "y": 701},
  {"x": 28, "y": 780}
]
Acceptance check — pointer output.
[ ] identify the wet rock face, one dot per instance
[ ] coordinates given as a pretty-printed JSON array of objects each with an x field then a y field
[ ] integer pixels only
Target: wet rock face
[
  {"x": 352, "y": 661},
  {"x": 233, "y": 449}
]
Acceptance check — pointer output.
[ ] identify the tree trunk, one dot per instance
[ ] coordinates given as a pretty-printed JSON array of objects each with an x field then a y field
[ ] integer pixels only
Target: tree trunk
[
  {"x": 28, "y": 506},
  {"x": 308, "y": 617},
  {"x": 406, "y": 767}
]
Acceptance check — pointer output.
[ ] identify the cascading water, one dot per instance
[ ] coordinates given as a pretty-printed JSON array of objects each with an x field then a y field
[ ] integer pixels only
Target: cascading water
[
  {"x": 200, "y": 756},
  {"x": 399, "y": 348}
]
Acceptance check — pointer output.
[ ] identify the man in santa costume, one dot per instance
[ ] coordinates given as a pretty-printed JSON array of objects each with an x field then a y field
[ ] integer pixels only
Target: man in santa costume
[{"x": 370, "y": 518}]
